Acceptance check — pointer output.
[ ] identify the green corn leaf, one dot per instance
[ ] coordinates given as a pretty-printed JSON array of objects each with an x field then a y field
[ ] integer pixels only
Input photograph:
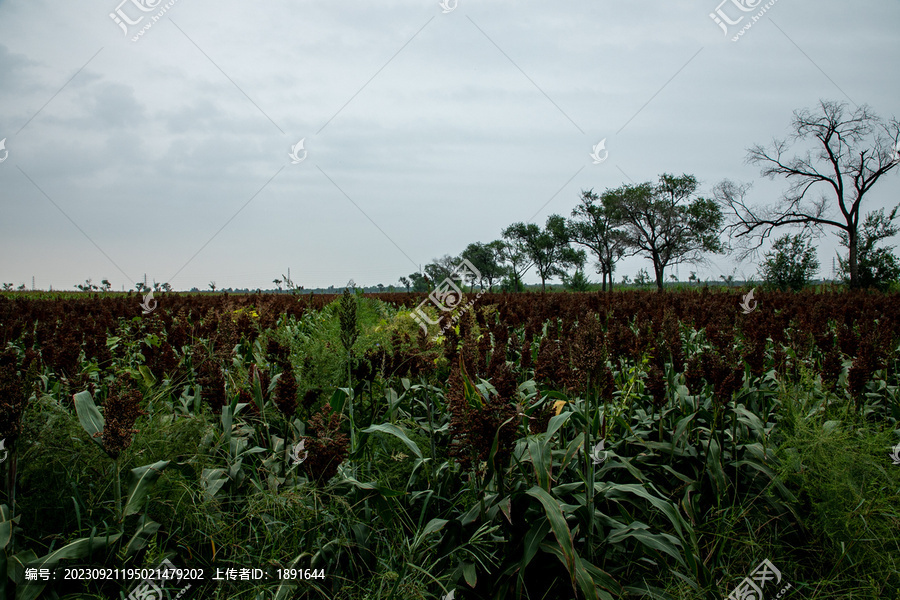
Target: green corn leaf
[
  {"x": 89, "y": 416},
  {"x": 533, "y": 540},
  {"x": 212, "y": 480},
  {"x": 397, "y": 432},
  {"x": 542, "y": 461},
  {"x": 556, "y": 422},
  {"x": 146, "y": 528},
  {"x": 142, "y": 479},
  {"x": 714, "y": 465},
  {"x": 470, "y": 574},
  {"x": 80, "y": 548},
  {"x": 558, "y": 524},
  {"x": 147, "y": 374}
]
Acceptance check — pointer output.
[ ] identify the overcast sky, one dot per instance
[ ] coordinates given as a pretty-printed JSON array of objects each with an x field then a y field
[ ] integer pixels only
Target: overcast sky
[{"x": 423, "y": 130}]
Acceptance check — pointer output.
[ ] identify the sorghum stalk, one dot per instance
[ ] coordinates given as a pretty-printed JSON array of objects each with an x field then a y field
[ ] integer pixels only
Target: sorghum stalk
[{"x": 349, "y": 335}]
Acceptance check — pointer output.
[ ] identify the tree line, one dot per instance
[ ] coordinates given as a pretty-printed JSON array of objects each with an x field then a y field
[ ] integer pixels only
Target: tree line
[{"x": 831, "y": 161}]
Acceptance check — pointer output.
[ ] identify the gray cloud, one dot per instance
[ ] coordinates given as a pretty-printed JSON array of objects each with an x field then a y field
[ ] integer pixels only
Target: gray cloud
[{"x": 474, "y": 120}]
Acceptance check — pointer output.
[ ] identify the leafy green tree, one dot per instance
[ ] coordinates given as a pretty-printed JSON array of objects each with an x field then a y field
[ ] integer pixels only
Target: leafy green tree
[
  {"x": 878, "y": 267},
  {"x": 666, "y": 222},
  {"x": 405, "y": 282},
  {"x": 488, "y": 259},
  {"x": 577, "y": 282},
  {"x": 440, "y": 269},
  {"x": 516, "y": 262},
  {"x": 791, "y": 263},
  {"x": 595, "y": 228},
  {"x": 547, "y": 248},
  {"x": 420, "y": 283}
]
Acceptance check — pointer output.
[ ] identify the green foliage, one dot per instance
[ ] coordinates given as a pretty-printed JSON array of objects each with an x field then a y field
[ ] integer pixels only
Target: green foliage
[
  {"x": 877, "y": 267},
  {"x": 420, "y": 283},
  {"x": 596, "y": 228},
  {"x": 791, "y": 263},
  {"x": 847, "y": 490},
  {"x": 548, "y": 249},
  {"x": 487, "y": 258},
  {"x": 711, "y": 461},
  {"x": 347, "y": 316},
  {"x": 578, "y": 282},
  {"x": 666, "y": 222},
  {"x": 642, "y": 277}
]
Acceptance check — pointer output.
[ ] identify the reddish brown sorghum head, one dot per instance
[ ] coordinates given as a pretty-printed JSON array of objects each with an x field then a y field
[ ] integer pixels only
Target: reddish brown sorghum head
[
  {"x": 474, "y": 429},
  {"x": 120, "y": 412},
  {"x": 212, "y": 384},
  {"x": 245, "y": 397},
  {"x": 541, "y": 418},
  {"x": 656, "y": 386},
  {"x": 285, "y": 396},
  {"x": 15, "y": 388},
  {"x": 832, "y": 365},
  {"x": 861, "y": 371},
  {"x": 328, "y": 449}
]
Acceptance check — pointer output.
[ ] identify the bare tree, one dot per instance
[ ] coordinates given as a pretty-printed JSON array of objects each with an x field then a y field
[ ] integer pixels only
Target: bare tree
[{"x": 849, "y": 153}]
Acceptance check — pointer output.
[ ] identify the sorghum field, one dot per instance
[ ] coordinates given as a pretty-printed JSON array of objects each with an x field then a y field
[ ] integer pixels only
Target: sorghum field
[{"x": 547, "y": 446}]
